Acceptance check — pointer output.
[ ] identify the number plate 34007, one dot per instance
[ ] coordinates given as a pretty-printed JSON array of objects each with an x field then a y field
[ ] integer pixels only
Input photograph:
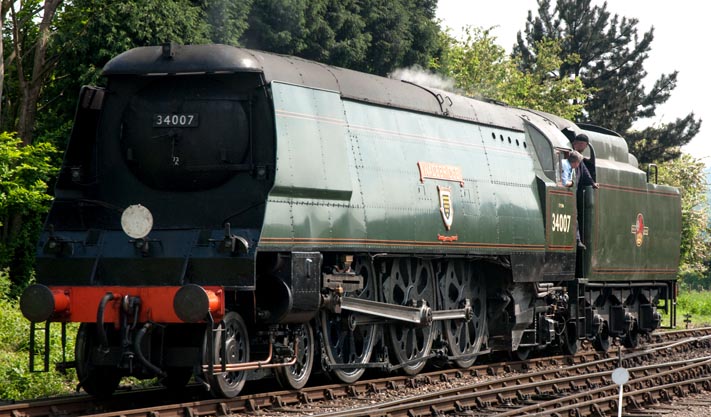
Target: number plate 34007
[{"x": 175, "y": 120}]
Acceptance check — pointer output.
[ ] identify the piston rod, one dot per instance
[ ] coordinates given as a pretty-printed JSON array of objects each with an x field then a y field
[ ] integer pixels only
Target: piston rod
[{"x": 421, "y": 315}]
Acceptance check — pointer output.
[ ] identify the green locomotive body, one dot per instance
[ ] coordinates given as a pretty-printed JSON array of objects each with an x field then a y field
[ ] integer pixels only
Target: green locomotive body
[
  {"x": 355, "y": 176},
  {"x": 362, "y": 177}
]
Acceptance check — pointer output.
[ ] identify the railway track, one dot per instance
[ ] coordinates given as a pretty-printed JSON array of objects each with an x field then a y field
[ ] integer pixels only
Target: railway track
[
  {"x": 563, "y": 385},
  {"x": 584, "y": 389}
]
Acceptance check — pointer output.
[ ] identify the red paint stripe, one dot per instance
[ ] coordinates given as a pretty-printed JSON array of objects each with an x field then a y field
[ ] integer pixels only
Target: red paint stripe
[
  {"x": 561, "y": 192},
  {"x": 347, "y": 241},
  {"x": 563, "y": 247}
]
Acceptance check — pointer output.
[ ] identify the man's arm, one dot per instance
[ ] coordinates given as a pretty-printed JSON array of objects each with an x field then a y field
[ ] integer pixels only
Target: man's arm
[{"x": 585, "y": 177}]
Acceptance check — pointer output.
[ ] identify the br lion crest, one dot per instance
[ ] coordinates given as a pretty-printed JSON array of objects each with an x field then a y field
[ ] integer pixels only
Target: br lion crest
[{"x": 639, "y": 230}]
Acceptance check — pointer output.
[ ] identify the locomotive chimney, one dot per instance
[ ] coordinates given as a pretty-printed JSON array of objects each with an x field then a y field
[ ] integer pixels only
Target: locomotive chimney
[{"x": 168, "y": 50}]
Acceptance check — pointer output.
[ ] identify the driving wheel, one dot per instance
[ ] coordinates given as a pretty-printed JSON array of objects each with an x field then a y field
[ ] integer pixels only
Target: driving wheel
[
  {"x": 410, "y": 282},
  {"x": 459, "y": 288}
]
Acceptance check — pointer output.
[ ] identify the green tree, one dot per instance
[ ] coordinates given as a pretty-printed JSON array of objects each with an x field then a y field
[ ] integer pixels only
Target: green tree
[
  {"x": 24, "y": 173},
  {"x": 481, "y": 68},
  {"x": 27, "y": 28},
  {"x": 226, "y": 19},
  {"x": 290, "y": 27},
  {"x": 611, "y": 65},
  {"x": 366, "y": 35},
  {"x": 404, "y": 34},
  {"x": 688, "y": 174},
  {"x": 4, "y": 6}
]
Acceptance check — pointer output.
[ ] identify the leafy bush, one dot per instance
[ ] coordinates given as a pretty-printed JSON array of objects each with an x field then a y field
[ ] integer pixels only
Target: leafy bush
[
  {"x": 687, "y": 173},
  {"x": 25, "y": 172},
  {"x": 16, "y": 380},
  {"x": 696, "y": 303}
]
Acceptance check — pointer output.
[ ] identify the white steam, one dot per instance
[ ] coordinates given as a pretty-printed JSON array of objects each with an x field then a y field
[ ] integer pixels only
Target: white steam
[{"x": 420, "y": 76}]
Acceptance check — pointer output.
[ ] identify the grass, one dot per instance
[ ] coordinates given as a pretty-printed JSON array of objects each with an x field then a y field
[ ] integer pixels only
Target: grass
[
  {"x": 16, "y": 380},
  {"x": 697, "y": 304}
]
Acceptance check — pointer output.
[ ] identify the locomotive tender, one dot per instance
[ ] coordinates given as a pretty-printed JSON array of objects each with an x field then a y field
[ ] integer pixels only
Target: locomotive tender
[{"x": 226, "y": 214}]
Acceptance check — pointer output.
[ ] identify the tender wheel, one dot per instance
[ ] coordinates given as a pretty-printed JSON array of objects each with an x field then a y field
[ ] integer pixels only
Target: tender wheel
[
  {"x": 569, "y": 339},
  {"x": 458, "y": 284},
  {"x": 631, "y": 339},
  {"x": 408, "y": 282},
  {"x": 229, "y": 384},
  {"x": 601, "y": 342},
  {"x": 297, "y": 375},
  {"x": 98, "y": 381},
  {"x": 344, "y": 343}
]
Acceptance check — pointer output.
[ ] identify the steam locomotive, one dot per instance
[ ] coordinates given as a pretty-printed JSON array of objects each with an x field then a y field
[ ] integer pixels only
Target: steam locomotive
[{"x": 226, "y": 214}]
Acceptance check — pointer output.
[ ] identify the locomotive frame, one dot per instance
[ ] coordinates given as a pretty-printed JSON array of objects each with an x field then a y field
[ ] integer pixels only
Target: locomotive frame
[{"x": 305, "y": 216}]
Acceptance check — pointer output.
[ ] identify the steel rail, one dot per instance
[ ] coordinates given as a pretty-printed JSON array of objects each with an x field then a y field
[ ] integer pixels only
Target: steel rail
[
  {"x": 612, "y": 390},
  {"x": 495, "y": 391}
]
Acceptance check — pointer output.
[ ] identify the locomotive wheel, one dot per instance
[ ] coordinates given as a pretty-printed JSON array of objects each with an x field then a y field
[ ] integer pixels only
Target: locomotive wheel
[
  {"x": 344, "y": 343},
  {"x": 229, "y": 384},
  {"x": 631, "y": 339},
  {"x": 569, "y": 339},
  {"x": 463, "y": 337},
  {"x": 408, "y": 282},
  {"x": 297, "y": 375},
  {"x": 98, "y": 381},
  {"x": 601, "y": 342}
]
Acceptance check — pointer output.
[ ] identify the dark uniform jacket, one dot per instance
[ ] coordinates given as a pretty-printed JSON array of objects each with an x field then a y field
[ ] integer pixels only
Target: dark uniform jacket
[{"x": 583, "y": 176}]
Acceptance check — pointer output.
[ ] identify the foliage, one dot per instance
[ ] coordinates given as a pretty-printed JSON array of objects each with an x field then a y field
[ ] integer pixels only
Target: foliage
[
  {"x": 611, "y": 65},
  {"x": 695, "y": 303},
  {"x": 481, "y": 68},
  {"x": 404, "y": 34},
  {"x": 662, "y": 142},
  {"x": 694, "y": 280},
  {"x": 688, "y": 174},
  {"x": 371, "y": 35},
  {"x": 226, "y": 19},
  {"x": 16, "y": 381},
  {"x": 24, "y": 174}
]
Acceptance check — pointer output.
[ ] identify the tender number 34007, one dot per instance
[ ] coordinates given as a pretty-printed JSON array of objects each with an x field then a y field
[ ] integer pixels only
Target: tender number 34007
[{"x": 561, "y": 222}]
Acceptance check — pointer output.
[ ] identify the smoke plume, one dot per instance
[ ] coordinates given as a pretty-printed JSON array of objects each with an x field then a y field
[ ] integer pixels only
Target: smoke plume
[{"x": 420, "y": 76}]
